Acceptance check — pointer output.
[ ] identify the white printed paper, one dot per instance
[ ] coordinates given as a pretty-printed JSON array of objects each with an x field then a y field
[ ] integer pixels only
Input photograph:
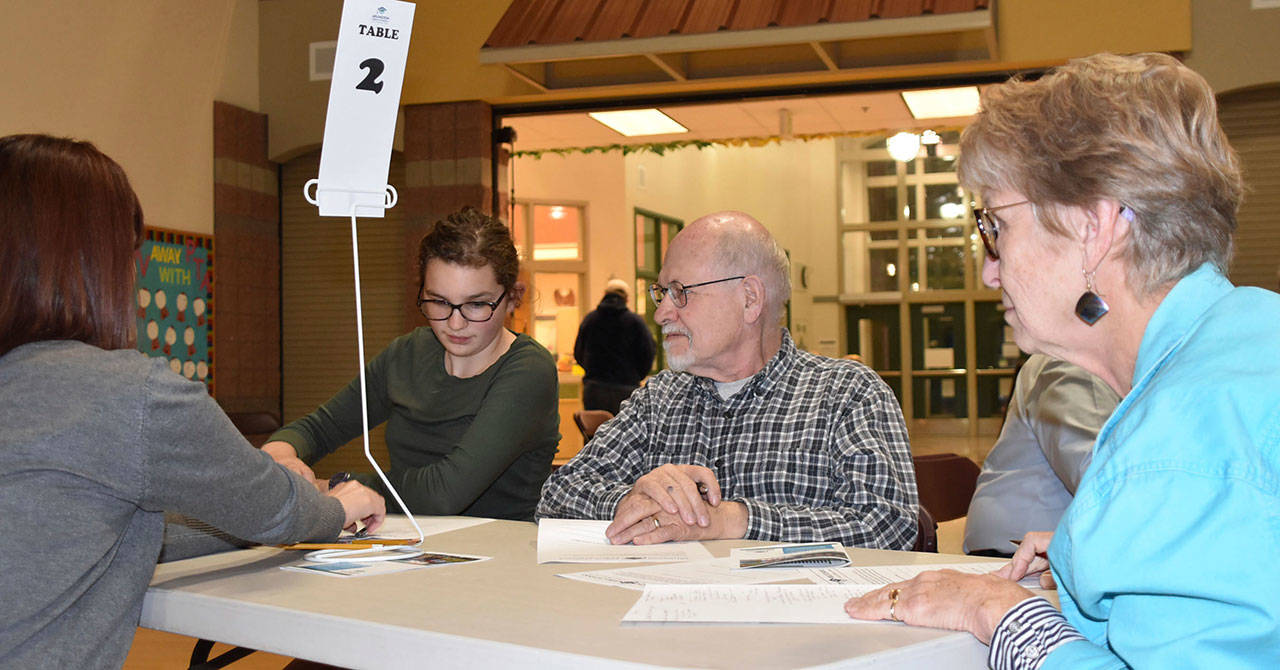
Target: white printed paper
[
  {"x": 714, "y": 571},
  {"x": 739, "y": 603},
  {"x": 397, "y": 526},
  {"x": 584, "y": 541}
]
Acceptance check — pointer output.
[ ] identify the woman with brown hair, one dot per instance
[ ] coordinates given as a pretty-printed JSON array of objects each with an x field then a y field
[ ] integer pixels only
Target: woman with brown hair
[
  {"x": 98, "y": 440},
  {"x": 472, "y": 409}
]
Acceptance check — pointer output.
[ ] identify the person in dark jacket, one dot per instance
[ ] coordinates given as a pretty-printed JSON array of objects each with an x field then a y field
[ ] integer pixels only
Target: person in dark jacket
[{"x": 616, "y": 349}]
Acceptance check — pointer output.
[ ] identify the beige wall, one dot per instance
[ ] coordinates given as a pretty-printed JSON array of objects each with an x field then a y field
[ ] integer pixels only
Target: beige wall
[
  {"x": 295, "y": 106},
  {"x": 1234, "y": 46},
  {"x": 139, "y": 80},
  {"x": 238, "y": 84},
  {"x": 1040, "y": 30},
  {"x": 599, "y": 181}
]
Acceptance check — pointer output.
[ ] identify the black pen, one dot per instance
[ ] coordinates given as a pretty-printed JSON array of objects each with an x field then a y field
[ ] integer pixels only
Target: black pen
[{"x": 339, "y": 478}]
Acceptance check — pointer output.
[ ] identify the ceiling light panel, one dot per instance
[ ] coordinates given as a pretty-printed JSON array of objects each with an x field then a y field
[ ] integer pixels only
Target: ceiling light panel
[
  {"x": 940, "y": 103},
  {"x": 637, "y": 122}
]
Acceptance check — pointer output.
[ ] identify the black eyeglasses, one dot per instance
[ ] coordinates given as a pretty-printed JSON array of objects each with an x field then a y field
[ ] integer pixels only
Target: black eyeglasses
[
  {"x": 476, "y": 311},
  {"x": 680, "y": 292},
  {"x": 989, "y": 226}
]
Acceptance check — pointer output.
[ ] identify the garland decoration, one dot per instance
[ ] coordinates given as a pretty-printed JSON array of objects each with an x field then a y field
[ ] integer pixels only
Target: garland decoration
[{"x": 661, "y": 148}]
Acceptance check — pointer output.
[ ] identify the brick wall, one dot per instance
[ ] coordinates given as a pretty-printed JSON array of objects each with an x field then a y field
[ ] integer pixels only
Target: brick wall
[
  {"x": 448, "y": 165},
  {"x": 246, "y": 212}
]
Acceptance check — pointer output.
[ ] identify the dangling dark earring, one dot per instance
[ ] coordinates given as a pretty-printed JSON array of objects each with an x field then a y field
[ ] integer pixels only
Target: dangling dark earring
[{"x": 1090, "y": 307}]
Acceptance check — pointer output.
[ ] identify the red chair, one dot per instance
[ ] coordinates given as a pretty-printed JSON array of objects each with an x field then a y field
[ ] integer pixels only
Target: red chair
[
  {"x": 946, "y": 483},
  {"x": 255, "y": 426},
  {"x": 589, "y": 420},
  {"x": 926, "y": 532}
]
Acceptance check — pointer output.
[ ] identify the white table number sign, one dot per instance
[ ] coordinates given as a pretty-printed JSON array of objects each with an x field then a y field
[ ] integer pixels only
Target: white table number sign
[{"x": 364, "y": 97}]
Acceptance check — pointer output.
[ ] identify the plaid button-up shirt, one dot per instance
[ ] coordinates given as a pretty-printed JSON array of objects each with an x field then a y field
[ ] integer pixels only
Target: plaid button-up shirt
[{"x": 815, "y": 448}]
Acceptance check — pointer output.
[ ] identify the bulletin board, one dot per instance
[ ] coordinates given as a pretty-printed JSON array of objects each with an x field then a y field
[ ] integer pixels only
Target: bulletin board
[{"x": 175, "y": 301}]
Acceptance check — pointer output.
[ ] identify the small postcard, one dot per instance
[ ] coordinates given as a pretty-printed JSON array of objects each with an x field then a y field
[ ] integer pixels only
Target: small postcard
[
  {"x": 355, "y": 569},
  {"x": 814, "y": 555}
]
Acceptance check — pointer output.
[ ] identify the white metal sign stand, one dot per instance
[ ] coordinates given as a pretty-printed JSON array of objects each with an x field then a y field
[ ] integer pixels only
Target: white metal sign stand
[{"x": 364, "y": 98}]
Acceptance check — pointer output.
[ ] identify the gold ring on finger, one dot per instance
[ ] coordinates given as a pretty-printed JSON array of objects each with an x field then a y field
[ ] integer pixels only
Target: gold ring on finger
[{"x": 893, "y": 604}]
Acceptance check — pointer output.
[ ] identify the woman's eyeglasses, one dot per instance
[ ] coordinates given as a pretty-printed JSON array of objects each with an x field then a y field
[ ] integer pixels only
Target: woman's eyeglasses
[
  {"x": 680, "y": 292},
  {"x": 989, "y": 226},
  {"x": 476, "y": 311}
]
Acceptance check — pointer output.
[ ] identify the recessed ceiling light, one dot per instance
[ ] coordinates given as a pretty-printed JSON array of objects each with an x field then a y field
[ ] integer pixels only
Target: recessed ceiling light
[
  {"x": 635, "y": 122},
  {"x": 938, "y": 103}
]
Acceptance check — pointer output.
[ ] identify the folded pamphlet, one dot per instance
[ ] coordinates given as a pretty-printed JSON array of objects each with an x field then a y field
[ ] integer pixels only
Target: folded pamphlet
[{"x": 816, "y": 555}]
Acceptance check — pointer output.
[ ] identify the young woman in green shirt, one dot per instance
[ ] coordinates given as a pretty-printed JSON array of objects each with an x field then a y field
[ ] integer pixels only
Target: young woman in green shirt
[{"x": 471, "y": 408}]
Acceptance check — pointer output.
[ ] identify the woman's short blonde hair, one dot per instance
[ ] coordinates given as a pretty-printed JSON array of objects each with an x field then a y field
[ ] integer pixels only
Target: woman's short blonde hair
[{"x": 1141, "y": 130}]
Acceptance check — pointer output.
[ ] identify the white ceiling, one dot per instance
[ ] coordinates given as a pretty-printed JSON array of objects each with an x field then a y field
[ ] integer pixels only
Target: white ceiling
[{"x": 849, "y": 113}]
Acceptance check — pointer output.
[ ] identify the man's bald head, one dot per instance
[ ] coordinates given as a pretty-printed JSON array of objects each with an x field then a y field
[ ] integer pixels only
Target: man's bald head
[{"x": 738, "y": 244}]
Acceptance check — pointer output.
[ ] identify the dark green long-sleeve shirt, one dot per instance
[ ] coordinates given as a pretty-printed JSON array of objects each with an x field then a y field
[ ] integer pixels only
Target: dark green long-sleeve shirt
[{"x": 480, "y": 446}]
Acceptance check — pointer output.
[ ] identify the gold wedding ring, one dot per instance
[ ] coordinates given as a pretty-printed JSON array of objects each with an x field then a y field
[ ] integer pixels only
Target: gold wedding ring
[
  {"x": 656, "y": 524},
  {"x": 893, "y": 603}
]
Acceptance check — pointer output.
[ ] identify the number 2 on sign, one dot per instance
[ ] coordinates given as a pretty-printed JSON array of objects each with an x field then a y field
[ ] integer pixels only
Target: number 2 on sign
[{"x": 370, "y": 81}]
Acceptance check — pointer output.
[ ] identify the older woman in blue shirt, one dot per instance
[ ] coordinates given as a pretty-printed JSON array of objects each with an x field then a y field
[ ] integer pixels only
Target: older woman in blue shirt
[{"x": 1110, "y": 197}]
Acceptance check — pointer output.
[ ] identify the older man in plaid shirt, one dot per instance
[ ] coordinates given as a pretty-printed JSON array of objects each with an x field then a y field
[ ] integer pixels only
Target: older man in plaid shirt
[{"x": 747, "y": 436}]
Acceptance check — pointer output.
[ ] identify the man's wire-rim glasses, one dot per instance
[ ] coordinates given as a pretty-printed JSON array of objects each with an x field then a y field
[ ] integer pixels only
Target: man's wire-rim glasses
[
  {"x": 475, "y": 311},
  {"x": 989, "y": 226},
  {"x": 680, "y": 292}
]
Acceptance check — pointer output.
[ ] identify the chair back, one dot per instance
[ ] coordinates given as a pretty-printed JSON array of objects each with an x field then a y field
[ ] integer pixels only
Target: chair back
[
  {"x": 255, "y": 426},
  {"x": 946, "y": 483},
  {"x": 589, "y": 420},
  {"x": 926, "y": 532}
]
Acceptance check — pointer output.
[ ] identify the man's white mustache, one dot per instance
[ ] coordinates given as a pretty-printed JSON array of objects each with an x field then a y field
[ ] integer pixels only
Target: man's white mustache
[{"x": 673, "y": 329}]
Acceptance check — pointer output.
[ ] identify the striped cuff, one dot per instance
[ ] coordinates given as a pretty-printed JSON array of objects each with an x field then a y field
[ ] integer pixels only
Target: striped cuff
[{"x": 1027, "y": 633}]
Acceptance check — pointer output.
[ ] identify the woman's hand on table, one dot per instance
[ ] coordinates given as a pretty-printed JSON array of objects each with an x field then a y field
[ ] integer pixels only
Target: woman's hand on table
[
  {"x": 1030, "y": 558},
  {"x": 284, "y": 454},
  {"x": 360, "y": 503},
  {"x": 943, "y": 599}
]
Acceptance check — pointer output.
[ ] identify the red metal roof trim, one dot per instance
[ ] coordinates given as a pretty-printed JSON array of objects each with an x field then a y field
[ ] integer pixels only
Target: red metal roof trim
[{"x": 544, "y": 22}]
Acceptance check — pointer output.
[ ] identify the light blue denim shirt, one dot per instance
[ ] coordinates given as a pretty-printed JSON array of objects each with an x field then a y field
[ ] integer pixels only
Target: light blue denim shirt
[{"x": 1167, "y": 557}]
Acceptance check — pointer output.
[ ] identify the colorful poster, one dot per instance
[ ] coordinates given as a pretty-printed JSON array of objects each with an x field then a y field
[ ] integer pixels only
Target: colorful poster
[{"x": 175, "y": 301}]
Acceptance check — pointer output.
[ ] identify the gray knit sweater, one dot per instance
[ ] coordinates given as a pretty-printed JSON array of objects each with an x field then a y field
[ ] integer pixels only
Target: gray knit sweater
[{"x": 94, "y": 446}]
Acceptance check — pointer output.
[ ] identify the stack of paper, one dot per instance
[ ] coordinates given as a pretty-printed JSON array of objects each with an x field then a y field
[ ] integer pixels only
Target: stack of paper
[{"x": 584, "y": 541}]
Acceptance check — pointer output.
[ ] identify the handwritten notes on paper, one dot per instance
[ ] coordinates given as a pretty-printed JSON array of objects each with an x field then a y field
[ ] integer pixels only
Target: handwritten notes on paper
[
  {"x": 746, "y": 603},
  {"x": 584, "y": 541},
  {"x": 879, "y": 575}
]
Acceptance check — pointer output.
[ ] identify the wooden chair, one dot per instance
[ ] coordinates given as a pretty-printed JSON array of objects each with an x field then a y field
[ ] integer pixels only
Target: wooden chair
[
  {"x": 255, "y": 426},
  {"x": 589, "y": 420},
  {"x": 946, "y": 483},
  {"x": 926, "y": 532}
]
